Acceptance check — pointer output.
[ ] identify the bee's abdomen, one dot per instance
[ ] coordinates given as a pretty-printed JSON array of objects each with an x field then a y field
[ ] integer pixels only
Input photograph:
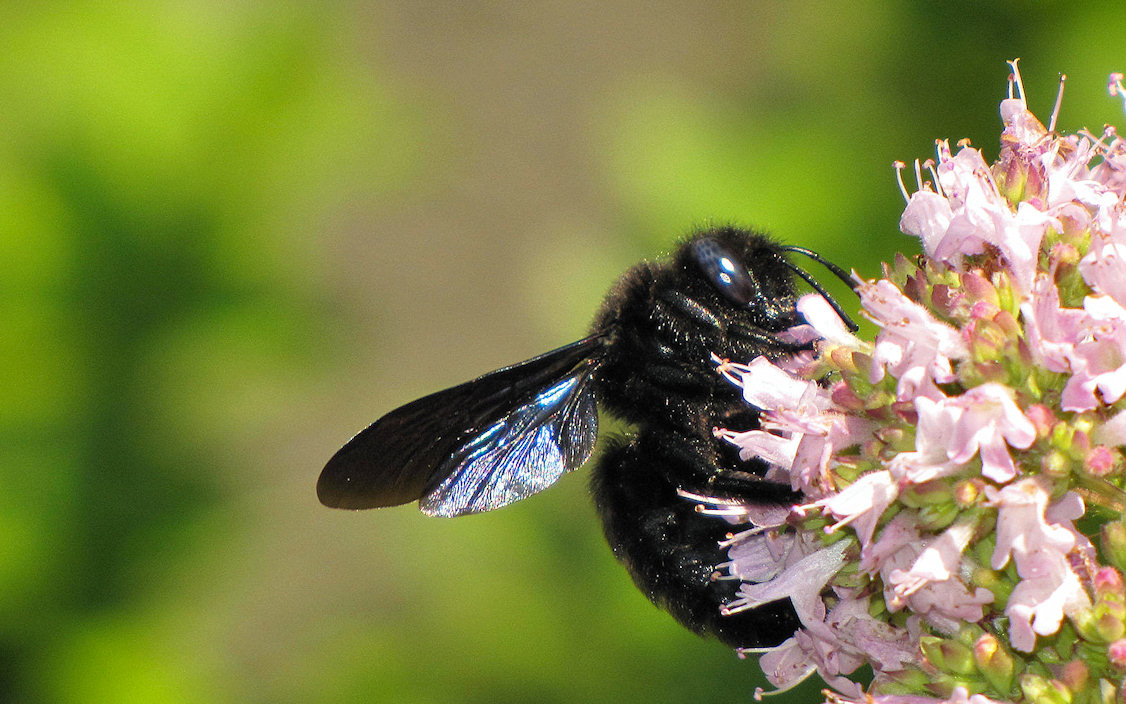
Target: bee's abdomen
[{"x": 670, "y": 550}]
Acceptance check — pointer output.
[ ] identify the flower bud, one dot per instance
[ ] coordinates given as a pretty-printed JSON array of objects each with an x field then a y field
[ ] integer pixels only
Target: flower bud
[
  {"x": 896, "y": 439},
  {"x": 1007, "y": 324},
  {"x": 1102, "y": 461},
  {"x": 844, "y": 396},
  {"x": 1102, "y": 623},
  {"x": 1006, "y": 296},
  {"x": 996, "y": 583},
  {"x": 1081, "y": 438},
  {"x": 967, "y": 492},
  {"x": 948, "y": 655},
  {"x": 935, "y": 517},
  {"x": 1074, "y": 675},
  {"x": 1110, "y": 605},
  {"x": 1109, "y": 624},
  {"x": 907, "y": 681},
  {"x": 987, "y": 341},
  {"x": 944, "y": 299},
  {"x": 1116, "y": 656},
  {"x": 1112, "y": 540},
  {"x": 1041, "y": 417},
  {"x": 991, "y": 371},
  {"x": 1066, "y": 254},
  {"x": 980, "y": 289},
  {"x": 994, "y": 662},
  {"x": 1108, "y": 581},
  {"x": 844, "y": 359},
  {"x": 1041, "y": 690},
  {"x": 1056, "y": 465}
]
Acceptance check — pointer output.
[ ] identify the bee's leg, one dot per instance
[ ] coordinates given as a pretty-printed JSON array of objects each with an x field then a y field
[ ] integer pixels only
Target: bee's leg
[
  {"x": 729, "y": 476},
  {"x": 707, "y": 468},
  {"x": 747, "y": 487},
  {"x": 749, "y": 342}
]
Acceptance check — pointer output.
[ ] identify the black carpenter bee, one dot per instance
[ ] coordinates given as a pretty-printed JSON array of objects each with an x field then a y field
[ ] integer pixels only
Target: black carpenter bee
[{"x": 508, "y": 434}]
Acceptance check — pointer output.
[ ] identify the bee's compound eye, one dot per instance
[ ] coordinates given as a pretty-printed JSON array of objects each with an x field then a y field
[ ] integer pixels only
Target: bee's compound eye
[{"x": 725, "y": 271}]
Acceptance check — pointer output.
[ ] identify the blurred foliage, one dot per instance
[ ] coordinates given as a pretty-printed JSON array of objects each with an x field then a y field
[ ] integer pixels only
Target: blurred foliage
[{"x": 232, "y": 233}]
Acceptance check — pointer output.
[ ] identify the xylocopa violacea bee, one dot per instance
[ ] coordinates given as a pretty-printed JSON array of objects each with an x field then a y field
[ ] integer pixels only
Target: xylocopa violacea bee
[{"x": 504, "y": 436}]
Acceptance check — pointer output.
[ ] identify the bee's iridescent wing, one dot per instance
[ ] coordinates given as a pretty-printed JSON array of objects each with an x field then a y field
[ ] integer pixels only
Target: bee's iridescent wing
[
  {"x": 476, "y": 446},
  {"x": 525, "y": 451}
]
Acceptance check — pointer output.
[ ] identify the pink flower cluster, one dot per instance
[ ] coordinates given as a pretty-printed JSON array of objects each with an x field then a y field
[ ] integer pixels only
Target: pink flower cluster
[{"x": 946, "y": 462}]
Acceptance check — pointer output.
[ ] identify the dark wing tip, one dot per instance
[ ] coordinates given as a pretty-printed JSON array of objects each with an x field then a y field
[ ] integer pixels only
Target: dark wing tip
[
  {"x": 352, "y": 479},
  {"x": 335, "y": 486}
]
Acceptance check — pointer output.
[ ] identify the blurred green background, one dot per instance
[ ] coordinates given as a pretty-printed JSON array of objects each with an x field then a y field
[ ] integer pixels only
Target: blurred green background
[{"x": 234, "y": 233}]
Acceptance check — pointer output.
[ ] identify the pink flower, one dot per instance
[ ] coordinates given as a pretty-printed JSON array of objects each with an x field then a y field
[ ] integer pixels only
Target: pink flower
[
  {"x": 789, "y": 664},
  {"x": 960, "y": 695},
  {"x": 928, "y": 216},
  {"x": 767, "y": 386},
  {"x": 1022, "y": 129},
  {"x": 990, "y": 422},
  {"x": 847, "y": 638},
  {"x": 1112, "y": 170},
  {"x": 1104, "y": 267},
  {"x": 862, "y": 503},
  {"x": 758, "y": 556},
  {"x": 1052, "y": 330},
  {"x": 897, "y": 538},
  {"x": 1039, "y": 603},
  {"x": 816, "y": 647},
  {"x": 968, "y": 212},
  {"x": 919, "y": 578},
  {"x": 821, "y": 439},
  {"x": 1022, "y": 531},
  {"x": 933, "y": 586},
  {"x": 1112, "y": 432},
  {"x": 1049, "y": 588},
  {"x": 1098, "y": 362},
  {"x": 825, "y": 321},
  {"x": 951, "y": 431},
  {"x": 933, "y": 435},
  {"x": 801, "y": 581},
  {"x": 1070, "y": 182},
  {"x": 913, "y": 346},
  {"x": 986, "y": 218},
  {"x": 800, "y": 428},
  {"x": 773, "y": 449},
  {"x": 965, "y": 180}
]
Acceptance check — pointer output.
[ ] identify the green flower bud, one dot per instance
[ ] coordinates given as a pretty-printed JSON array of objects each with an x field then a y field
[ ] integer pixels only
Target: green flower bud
[
  {"x": 996, "y": 583},
  {"x": 1056, "y": 464},
  {"x": 967, "y": 492},
  {"x": 994, "y": 662},
  {"x": 1041, "y": 690},
  {"x": 948, "y": 655}
]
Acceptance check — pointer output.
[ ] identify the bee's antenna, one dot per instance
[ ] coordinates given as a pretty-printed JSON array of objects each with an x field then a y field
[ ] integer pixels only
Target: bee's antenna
[
  {"x": 837, "y": 271},
  {"x": 808, "y": 278}
]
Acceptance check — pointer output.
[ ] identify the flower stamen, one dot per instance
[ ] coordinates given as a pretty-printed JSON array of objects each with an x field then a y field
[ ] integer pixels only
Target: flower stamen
[
  {"x": 1056, "y": 107},
  {"x": 1115, "y": 87},
  {"x": 899, "y": 167},
  {"x": 929, "y": 166},
  {"x": 1015, "y": 78}
]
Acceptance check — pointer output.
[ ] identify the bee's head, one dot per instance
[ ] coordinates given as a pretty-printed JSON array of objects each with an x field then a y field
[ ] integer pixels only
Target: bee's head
[
  {"x": 742, "y": 269},
  {"x": 753, "y": 273}
]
